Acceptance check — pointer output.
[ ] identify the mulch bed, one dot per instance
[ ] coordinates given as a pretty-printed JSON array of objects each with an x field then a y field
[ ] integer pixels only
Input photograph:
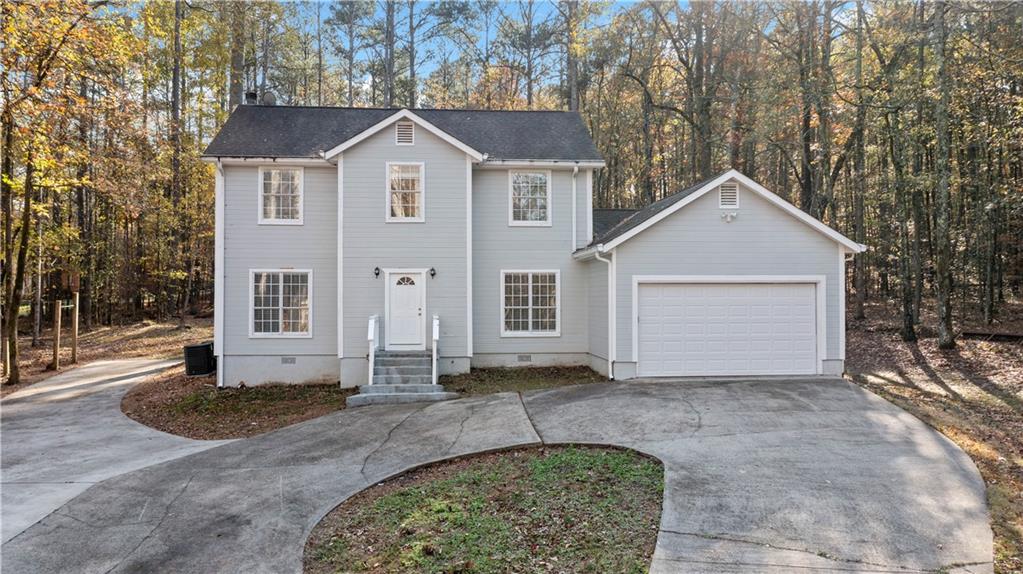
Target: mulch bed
[
  {"x": 193, "y": 407},
  {"x": 551, "y": 509}
]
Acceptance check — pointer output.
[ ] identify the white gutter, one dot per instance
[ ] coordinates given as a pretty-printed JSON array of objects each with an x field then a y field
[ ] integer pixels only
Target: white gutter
[
  {"x": 611, "y": 307},
  {"x": 496, "y": 163}
]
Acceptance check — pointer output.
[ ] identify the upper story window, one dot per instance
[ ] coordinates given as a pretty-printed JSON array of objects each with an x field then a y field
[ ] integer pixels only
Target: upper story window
[
  {"x": 529, "y": 201},
  {"x": 405, "y": 192},
  {"x": 404, "y": 133},
  {"x": 280, "y": 195},
  {"x": 281, "y": 303}
]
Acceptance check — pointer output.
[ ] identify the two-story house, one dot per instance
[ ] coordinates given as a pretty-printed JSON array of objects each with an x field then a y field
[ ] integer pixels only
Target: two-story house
[{"x": 390, "y": 246}]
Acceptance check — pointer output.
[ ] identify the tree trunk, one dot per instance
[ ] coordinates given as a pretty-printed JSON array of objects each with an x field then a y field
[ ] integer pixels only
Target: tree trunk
[
  {"x": 859, "y": 160},
  {"x": 237, "y": 54},
  {"x": 412, "y": 53},
  {"x": 14, "y": 303},
  {"x": 942, "y": 232},
  {"x": 388, "y": 54}
]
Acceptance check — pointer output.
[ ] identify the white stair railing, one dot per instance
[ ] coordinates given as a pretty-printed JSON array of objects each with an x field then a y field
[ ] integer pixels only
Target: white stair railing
[
  {"x": 373, "y": 336},
  {"x": 436, "y": 337}
]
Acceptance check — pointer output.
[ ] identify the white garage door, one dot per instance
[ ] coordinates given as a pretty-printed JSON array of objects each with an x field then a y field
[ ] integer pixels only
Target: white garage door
[{"x": 697, "y": 329}]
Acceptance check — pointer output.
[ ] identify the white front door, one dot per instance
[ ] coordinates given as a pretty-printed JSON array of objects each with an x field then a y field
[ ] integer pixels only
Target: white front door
[
  {"x": 694, "y": 329},
  {"x": 405, "y": 310}
]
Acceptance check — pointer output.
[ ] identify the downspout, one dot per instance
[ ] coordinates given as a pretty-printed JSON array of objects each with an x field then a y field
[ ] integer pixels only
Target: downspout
[
  {"x": 575, "y": 208},
  {"x": 610, "y": 311}
]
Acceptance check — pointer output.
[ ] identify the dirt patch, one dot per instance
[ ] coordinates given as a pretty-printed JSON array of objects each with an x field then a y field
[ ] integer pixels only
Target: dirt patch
[
  {"x": 145, "y": 339},
  {"x": 500, "y": 380},
  {"x": 551, "y": 509},
  {"x": 972, "y": 394},
  {"x": 193, "y": 407}
]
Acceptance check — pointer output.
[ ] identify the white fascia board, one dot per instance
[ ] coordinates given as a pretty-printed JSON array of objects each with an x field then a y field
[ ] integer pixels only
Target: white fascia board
[
  {"x": 404, "y": 115},
  {"x": 227, "y": 160},
  {"x": 756, "y": 188}
]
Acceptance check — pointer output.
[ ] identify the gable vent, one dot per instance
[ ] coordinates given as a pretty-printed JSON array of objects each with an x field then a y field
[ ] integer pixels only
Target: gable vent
[
  {"x": 729, "y": 195},
  {"x": 404, "y": 133}
]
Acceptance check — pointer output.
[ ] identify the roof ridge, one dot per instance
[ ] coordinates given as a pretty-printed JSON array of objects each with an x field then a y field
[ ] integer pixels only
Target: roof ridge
[{"x": 413, "y": 110}]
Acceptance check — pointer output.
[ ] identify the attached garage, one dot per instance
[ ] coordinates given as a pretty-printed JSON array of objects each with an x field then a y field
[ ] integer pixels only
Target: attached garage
[
  {"x": 686, "y": 327},
  {"x": 721, "y": 279}
]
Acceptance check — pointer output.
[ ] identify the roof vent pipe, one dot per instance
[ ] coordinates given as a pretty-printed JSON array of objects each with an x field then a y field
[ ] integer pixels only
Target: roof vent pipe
[
  {"x": 250, "y": 98},
  {"x": 269, "y": 99}
]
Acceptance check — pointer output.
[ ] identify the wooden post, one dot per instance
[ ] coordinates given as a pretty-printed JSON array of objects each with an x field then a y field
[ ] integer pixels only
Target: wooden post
[
  {"x": 56, "y": 333},
  {"x": 74, "y": 327}
]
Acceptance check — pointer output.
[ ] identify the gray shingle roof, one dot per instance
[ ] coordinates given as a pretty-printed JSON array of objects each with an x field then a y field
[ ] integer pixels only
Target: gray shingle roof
[
  {"x": 605, "y": 219},
  {"x": 637, "y": 218},
  {"x": 297, "y": 131}
]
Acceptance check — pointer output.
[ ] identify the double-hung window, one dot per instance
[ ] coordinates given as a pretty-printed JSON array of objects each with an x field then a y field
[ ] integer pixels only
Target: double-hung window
[
  {"x": 405, "y": 192},
  {"x": 281, "y": 303},
  {"x": 529, "y": 201},
  {"x": 280, "y": 195},
  {"x": 530, "y": 302}
]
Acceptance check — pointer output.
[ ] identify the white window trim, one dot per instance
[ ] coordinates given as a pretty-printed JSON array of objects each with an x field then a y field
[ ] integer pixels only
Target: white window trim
[
  {"x": 399, "y": 122},
  {"x": 820, "y": 283},
  {"x": 422, "y": 193},
  {"x": 511, "y": 200},
  {"x": 252, "y": 308},
  {"x": 301, "y": 197},
  {"x": 557, "y": 305}
]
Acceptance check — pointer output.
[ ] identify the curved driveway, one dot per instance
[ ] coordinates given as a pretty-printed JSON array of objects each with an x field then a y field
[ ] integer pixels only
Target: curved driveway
[{"x": 783, "y": 476}]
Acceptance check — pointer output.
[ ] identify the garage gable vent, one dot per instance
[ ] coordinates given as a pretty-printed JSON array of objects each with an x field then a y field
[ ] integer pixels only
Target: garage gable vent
[
  {"x": 404, "y": 133},
  {"x": 728, "y": 195}
]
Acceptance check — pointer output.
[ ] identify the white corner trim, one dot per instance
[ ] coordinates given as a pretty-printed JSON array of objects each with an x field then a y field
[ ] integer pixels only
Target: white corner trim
[
  {"x": 758, "y": 189},
  {"x": 422, "y": 273},
  {"x": 468, "y": 255},
  {"x": 820, "y": 311},
  {"x": 388, "y": 218},
  {"x": 841, "y": 302},
  {"x": 589, "y": 206},
  {"x": 557, "y": 305},
  {"x": 301, "y": 196},
  {"x": 218, "y": 269},
  {"x": 340, "y": 259},
  {"x": 575, "y": 209},
  {"x": 252, "y": 286},
  {"x": 550, "y": 199},
  {"x": 406, "y": 115}
]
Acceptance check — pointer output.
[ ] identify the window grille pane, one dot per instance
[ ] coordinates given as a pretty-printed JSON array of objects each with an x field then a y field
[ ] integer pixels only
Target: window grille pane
[
  {"x": 266, "y": 300},
  {"x": 529, "y": 197},
  {"x": 280, "y": 302},
  {"x": 405, "y": 185},
  {"x": 282, "y": 194},
  {"x": 530, "y": 302}
]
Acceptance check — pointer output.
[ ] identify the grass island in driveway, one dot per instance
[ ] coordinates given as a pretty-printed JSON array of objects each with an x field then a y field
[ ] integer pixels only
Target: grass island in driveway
[{"x": 563, "y": 509}]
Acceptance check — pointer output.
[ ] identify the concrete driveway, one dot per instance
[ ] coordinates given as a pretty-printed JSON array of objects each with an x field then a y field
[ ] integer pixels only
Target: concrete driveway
[
  {"x": 64, "y": 434},
  {"x": 782, "y": 476}
]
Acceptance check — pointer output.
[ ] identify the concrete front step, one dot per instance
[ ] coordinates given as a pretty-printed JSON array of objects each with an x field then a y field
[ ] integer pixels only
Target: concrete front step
[
  {"x": 402, "y": 362},
  {"x": 383, "y": 389},
  {"x": 402, "y": 371},
  {"x": 388, "y": 380},
  {"x": 398, "y": 398}
]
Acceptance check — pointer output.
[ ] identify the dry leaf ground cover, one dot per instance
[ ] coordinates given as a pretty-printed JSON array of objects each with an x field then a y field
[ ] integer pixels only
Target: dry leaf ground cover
[
  {"x": 144, "y": 339},
  {"x": 973, "y": 394},
  {"x": 553, "y": 509},
  {"x": 193, "y": 407}
]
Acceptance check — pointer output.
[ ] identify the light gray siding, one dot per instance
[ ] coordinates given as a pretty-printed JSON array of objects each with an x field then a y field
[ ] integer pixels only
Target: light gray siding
[
  {"x": 370, "y": 242},
  {"x": 249, "y": 245},
  {"x": 597, "y": 273},
  {"x": 762, "y": 240},
  {"x": 497, "y": 246}
]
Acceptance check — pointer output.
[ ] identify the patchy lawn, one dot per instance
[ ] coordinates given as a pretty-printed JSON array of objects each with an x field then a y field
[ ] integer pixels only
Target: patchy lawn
[
  {"x": 193, "y": 407},
  {"x": 145, "y": 339},
  {"x": 972, "y": 394},
  {"x": 500, "y": 380},
  {"x": 552, "y": 509}
]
